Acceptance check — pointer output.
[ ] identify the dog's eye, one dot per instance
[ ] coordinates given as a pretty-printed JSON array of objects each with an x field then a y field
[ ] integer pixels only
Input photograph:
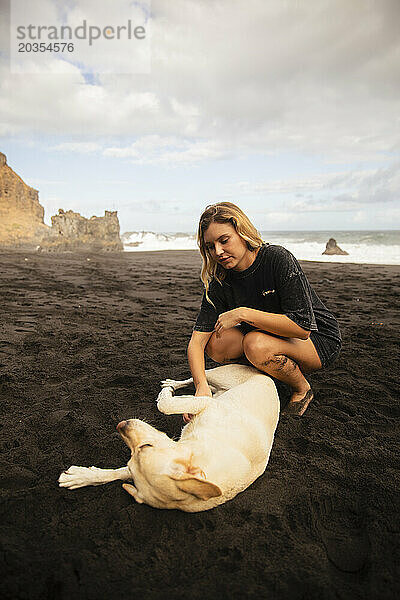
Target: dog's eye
[{"x": 145, "y": 445}]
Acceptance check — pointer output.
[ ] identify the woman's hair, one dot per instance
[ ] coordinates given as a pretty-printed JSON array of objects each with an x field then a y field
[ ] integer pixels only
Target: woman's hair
[{"x": 223, "y": 212}]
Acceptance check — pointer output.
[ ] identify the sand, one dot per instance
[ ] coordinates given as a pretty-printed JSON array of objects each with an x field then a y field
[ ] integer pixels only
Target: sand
[{"x": 85, "y": 341}]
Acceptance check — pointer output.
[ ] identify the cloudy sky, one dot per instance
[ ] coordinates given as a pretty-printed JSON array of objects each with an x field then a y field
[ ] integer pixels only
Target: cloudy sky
[{"x": 289, "y": 108}]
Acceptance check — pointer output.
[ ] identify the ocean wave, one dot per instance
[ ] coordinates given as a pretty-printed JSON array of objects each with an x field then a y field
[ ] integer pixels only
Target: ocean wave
[
  {"x": 139, "y": 241},
  {"x": 378, "y": 247},
  {"x": 357, "y": 253}
]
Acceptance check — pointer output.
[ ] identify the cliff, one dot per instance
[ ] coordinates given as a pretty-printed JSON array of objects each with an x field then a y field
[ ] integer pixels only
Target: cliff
[
  {"x": 21, "y": 215},
  {"x": 70, "y": 232}
]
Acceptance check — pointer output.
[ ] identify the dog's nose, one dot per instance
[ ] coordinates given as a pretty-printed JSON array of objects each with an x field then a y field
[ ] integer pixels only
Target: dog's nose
[{"x": 121, "y": 425}]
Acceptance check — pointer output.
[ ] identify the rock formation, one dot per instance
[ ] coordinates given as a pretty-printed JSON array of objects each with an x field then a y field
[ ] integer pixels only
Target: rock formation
[
  {"x": 333, "y": 248},
  {"x": 22, "y": 225},
  {"x": 70, "y": 232},
  {"x": 21, "y": 215}
]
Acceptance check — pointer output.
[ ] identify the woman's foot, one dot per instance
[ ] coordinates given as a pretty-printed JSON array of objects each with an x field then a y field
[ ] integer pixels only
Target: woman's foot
[{"x": 299, "y": 402}]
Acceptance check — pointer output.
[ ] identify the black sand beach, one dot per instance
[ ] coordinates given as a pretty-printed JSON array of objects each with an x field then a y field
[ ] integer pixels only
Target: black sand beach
[{"x": 84, "y": 343}]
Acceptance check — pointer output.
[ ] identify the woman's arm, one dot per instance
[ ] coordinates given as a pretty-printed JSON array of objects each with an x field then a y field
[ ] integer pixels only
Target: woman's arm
[
  {"x": 195, "y": 353},
  {"x": 274, "y": 323},
  {"x": 270, "y": 322}
]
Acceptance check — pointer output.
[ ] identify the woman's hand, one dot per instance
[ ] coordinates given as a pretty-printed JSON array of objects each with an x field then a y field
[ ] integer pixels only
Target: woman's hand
[
  {"x": 202, "y": 390},
  {"x": 228, "y": 319}
]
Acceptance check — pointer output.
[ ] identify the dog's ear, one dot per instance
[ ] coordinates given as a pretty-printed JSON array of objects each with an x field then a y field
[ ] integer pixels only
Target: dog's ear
[
  {"x": 202, "y": 489},
  {"x": 192, "y": 480}
]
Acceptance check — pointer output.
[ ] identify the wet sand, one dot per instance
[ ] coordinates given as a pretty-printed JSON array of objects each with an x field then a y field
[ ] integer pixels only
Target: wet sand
[{"x": 85, "y": 343}]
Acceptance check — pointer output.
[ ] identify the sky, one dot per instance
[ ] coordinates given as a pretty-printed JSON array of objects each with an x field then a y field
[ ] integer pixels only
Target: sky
[{"x": 288, "y": 108}]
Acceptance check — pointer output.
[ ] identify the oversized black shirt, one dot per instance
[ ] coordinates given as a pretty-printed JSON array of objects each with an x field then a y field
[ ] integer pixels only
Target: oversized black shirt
[{"x": 274, "y": 283}]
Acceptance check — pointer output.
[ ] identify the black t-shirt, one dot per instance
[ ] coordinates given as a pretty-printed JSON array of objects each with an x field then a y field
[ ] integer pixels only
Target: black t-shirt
[{"x": 274, "y": 283}]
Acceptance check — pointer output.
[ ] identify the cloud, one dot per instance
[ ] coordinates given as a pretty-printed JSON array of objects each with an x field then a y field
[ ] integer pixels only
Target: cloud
[
  {"x": 168, "y": 151},
  {"x": 288, "y": 186},
  {"x": 322, "y": 206},
  {"x": 338, "y": 191},
  {"x": 315, "y": 77},
  {"x": 77, "y": 147}
]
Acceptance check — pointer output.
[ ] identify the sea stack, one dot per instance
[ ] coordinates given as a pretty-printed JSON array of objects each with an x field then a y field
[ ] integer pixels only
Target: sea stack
[
  {"x": 333, "y": 248},
  {"x": 70, "y": 232}
]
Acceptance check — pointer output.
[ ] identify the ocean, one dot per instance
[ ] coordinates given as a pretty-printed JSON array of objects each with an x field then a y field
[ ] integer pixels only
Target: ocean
[{"x": 375, "y": 247}]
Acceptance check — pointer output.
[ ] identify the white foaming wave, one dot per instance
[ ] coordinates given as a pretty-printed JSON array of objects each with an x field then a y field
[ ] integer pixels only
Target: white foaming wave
[
  {"x": 358, "y": 253},
  {"x": 140, "y": 241}
]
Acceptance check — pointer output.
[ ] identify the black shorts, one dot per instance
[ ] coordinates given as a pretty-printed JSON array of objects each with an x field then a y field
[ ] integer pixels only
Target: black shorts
[{"x": 327, "y": 349}]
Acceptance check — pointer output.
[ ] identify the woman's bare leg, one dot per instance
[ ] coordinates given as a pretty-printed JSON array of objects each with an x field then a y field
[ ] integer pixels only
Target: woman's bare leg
[
  {"x": 286, "y": 359},
  {"x": 227, "y": 348}
]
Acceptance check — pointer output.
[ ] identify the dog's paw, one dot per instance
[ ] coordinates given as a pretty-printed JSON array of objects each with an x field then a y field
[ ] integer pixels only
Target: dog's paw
[
  {"x": 164, "y": 399},
  {"x": 168, "y": 383},
  {"x": 76, "y": 477}
]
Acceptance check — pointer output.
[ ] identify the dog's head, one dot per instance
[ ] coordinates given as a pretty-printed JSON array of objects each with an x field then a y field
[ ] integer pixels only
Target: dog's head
[{"x": 163, "y": 471}]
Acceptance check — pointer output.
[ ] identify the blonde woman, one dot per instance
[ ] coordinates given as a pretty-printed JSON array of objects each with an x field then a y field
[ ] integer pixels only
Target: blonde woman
[{"x": 257, "y": 305}]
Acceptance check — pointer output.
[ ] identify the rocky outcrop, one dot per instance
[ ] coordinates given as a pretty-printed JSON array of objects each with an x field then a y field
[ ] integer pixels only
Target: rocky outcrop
[
  {"x": 70, "y": 232},
  {"x": 21, "y": 215},
  {"x": 22, "y": 225},
  {"x": 333, "y": 248}
]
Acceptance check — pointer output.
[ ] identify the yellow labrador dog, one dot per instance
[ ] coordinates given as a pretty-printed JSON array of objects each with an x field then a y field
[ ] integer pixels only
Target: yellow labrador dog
[{"x": 221, "y": 451}]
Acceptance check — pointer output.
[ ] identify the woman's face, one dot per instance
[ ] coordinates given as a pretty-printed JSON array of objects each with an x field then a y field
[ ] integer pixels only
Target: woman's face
[{"x": 226, "y": 247}]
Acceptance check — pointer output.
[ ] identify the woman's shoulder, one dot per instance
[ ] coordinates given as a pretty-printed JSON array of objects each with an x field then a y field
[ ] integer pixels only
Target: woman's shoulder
[
  {"x": 277, "y": 252},
  {"x": 281, "y": 260}
]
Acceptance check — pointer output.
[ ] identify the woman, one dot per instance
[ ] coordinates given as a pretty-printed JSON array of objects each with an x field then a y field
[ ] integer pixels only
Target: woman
[{"x": 257, "y": 304}]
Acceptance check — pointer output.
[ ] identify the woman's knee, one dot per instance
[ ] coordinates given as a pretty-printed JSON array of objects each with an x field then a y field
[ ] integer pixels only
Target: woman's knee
[
  {"x": 258, "y": 346},
  {"x": 225, "y": 348},
  {"x": 213, "y": 348}
]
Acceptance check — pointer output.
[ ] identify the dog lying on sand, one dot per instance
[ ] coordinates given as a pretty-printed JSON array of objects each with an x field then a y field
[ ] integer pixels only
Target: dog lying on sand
[{"x": 221, "y": 451}]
